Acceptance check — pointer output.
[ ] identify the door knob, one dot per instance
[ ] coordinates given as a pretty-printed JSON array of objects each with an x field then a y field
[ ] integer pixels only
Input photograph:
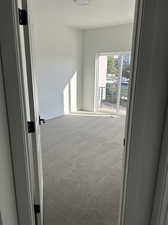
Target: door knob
[{"x": 41, "y": 120}]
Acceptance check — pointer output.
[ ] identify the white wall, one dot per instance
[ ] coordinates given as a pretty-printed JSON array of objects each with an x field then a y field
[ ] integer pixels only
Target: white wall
[
  {"x": 112, "y": 39},
  {"x": 62, "y": 53},
  {"x": 8, "y": 214},
  {"x": 57, "y": 51}
]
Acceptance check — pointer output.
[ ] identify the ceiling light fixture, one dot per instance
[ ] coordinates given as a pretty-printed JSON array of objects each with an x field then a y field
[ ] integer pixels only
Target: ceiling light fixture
[{"x": 82, "y": 2}]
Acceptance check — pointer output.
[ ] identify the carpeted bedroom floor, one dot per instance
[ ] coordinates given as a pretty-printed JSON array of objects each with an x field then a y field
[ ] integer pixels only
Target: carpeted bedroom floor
[{"x": 82, "y": 161}]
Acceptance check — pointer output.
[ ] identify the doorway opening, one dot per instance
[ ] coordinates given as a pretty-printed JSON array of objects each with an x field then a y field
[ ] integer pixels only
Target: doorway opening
[
  {"x": 112, "y": 82},
  {"x": 82, "y": 150}
]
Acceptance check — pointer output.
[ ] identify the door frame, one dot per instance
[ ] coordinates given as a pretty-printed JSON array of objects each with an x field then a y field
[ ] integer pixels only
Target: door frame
[
  {"x": 159, "y": 198},
  {"x": 96, "y": 92},
  {"x": 36, "y": 155},
  {"x": 20, "y": 141},
  {"x": 19, "y": 138}
]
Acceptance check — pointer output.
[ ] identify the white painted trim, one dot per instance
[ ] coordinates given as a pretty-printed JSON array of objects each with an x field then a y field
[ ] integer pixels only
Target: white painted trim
[
  {"x": 114, "y": 53},
  {"x": 134, "y": 60},
  {"x": 96, "y": 77},
  {"x": 119, "y": 86}
]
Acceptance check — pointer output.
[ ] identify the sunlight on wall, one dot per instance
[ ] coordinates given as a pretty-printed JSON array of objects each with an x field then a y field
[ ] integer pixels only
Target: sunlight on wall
[
  {"x": 102, "y": 71},
  {"x": 73, "y": 92},
  {"x": 66, "y": 99},
  {"x": 70, "y": 95}
]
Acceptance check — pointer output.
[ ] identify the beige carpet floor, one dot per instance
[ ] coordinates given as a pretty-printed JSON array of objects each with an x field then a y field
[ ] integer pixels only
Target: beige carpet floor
[{"x": 82, "y": 161}]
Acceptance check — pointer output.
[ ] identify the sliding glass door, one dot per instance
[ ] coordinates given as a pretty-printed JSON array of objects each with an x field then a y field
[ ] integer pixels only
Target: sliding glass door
[{"x": 113, "y": 83}]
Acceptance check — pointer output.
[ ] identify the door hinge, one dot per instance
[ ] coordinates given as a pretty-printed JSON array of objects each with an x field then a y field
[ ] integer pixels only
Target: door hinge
[
  {"x": 31, "y": 126},
  {"x": 124, "y": 141},
  {"x": 36, "y": 209},
  {"x": 22, "y": 17},
  {"x": 36, "y": 212}
]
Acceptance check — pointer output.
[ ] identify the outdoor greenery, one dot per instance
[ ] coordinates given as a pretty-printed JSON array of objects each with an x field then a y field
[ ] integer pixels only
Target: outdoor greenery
[
  {"x": 113, "y": 67},
  {"x": 111, "y": 93},
  {"x": 126, "y": 70},
  {"x": 113, "y": 70}
]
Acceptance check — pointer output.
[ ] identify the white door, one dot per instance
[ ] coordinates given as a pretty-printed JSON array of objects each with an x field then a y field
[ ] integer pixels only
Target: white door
[{"x": 32, "y": 113}]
